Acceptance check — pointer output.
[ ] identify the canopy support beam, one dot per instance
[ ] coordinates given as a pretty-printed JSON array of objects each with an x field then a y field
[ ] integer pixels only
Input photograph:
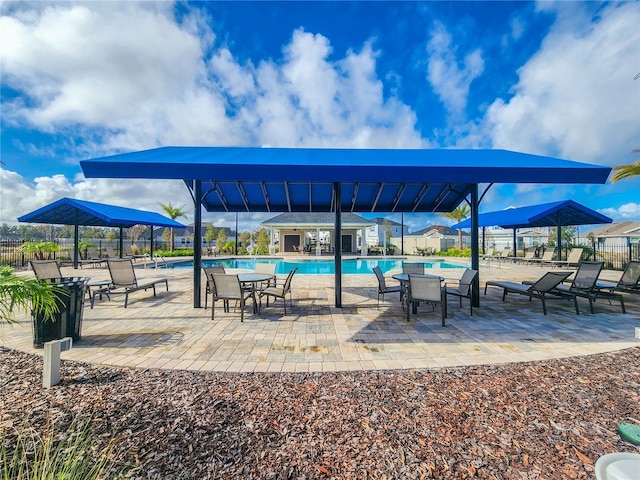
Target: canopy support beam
[
  {"x": 475, "y": 256},
  {"x": 197, "y": 244},
  {"x": 337, "y": 188}
]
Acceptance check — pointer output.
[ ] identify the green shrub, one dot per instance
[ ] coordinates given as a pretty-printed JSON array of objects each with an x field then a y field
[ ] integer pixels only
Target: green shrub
[{"x": 455, "y": 252}]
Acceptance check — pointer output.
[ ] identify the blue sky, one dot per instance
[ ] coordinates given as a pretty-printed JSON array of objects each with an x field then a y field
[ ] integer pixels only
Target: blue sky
[{"x": 81, "y": 80}]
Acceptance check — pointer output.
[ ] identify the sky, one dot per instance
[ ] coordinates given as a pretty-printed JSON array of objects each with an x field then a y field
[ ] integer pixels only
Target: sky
[{"x": 81, "y": 80}]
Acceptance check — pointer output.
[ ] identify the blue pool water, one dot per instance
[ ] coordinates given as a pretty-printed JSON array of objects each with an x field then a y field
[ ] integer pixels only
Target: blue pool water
[{"x": 314, "y": 267}]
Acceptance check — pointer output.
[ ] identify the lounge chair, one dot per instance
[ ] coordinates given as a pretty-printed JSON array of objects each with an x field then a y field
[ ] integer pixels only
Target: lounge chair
[
  {"x": 382, "y": 285},
  {"x": 124, "y": 281},
  {"x": 92, "y": 259},
  {"x": 227, "y": 287},
  {"x": 130, "y": 254},
  {"x": 209, "y": 286},
  {"x": 427, "y": 289},
  {"x": 629, "y": 282},
  {"x": 540, "y": 288},
  {"x": 573, "y": 259},
  {"x": 465, "y": 287},
  {"x": 279, "y": 291},
  {"x": 111, "y": 253},
  {"x": 584, "y": 285},
  {"x": 529, "y": 255},
  {"x": 45, "y": 269},
  {"x": 547, "y": 257}
]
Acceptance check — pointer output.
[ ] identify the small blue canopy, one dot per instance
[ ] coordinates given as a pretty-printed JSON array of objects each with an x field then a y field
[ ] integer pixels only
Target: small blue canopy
[
  {"x": 553, "y": 214},
  {"x": 69, "y": 211}
]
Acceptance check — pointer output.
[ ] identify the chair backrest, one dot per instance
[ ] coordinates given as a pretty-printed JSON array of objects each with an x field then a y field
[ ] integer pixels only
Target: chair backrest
[
  {"x": 128, "y": 250},
  {"x": 530, "y": 253},
  {"x": 122, "y": 273},
  {"x": 631, "y": 276},
  {"x": 548, "y": 255},
  {"x": 380, "y": 276},
  {"x": 506, "y": 251},
  {"x": 213, "y": 269},
  {"x": 587, "y": 275},
  {"x": 93, "y": 253},
  {"x": 269, "y": 268},
  {"x": 45, "y": 268},
  {"x": 464, "y": 286},
  {"x": 226, "y": 285},
  {"x": 110, "y": 252},
  {"x": 287, "y": 283},
  {"x": 428, "y": 251},
  {"x": 549, "y": 281},
  {"x": 426, "y": 288},
  {"x": 416, "y": 268},
  {"x": 574, "y": 255}
]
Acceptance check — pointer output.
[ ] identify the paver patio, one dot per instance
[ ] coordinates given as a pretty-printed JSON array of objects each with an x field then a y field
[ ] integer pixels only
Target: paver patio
[{"x": 167, "y": 332}]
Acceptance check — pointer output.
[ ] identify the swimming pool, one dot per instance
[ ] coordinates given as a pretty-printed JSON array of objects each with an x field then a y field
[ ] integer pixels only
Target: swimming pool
[{"x": 354, "y": 266}]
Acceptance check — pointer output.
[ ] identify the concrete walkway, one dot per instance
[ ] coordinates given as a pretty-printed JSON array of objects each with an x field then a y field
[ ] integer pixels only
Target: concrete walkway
[{"x": 167, "y": 332}]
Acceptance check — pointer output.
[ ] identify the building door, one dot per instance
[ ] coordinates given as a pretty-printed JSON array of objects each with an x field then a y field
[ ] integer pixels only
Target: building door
[
  {"x": 347, "y": 245},
  {"x": 291, "y": 241}
]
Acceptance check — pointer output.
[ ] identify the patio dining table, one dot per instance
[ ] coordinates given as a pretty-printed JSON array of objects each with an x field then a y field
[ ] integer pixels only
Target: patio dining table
[{"x": 250, "y": 280}]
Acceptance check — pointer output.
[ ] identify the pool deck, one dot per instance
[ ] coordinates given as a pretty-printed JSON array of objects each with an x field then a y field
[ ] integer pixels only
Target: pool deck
[{"x": 166, "y": 332}]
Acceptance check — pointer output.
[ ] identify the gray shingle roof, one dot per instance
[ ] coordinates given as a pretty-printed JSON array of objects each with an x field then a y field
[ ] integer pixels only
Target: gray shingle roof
[{"x": 316, "y": 218}]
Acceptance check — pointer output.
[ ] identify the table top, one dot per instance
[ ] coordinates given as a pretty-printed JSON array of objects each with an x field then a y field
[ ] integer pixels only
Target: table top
[
  {"x": 404, "y": 277},
  {"x": 254, "y": 277}
]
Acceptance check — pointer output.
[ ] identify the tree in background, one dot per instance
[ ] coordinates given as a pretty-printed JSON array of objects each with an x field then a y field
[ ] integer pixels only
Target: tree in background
[
  {"x": 173, "y": 213},
  {"x": 221, "y": 239},
  {"x": 245, "y": 239},
  {"x": 111, "y": 235},
  {"x": 263, "y": 241},
  {"x": 461, "y": 212},
  {"x": 166, "y": 236},
  {"x": 567, "y": 234},
  {"x": 210, "y": 234}
]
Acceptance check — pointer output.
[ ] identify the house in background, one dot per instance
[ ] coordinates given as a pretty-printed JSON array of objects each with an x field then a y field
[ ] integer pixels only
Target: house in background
[
  {"x": 376, "y": 234},
  {"x": 621, "y": 234},
  {"x": 314, "y": 232},
  {"x": 497, "y": 238},
  {"x": 183, "y": 237},
  {"x": 436, "y": 237}
]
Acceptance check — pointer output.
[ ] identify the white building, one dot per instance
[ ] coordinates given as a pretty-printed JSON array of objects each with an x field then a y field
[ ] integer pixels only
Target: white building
[{"x": 377, "y": 233}]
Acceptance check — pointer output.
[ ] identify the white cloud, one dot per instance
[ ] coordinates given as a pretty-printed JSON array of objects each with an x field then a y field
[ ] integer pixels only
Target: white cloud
[
  {"x": 576, "y": 98},
  {"x": 628, "y": 211},
  {"x": 450, "y": 81}
]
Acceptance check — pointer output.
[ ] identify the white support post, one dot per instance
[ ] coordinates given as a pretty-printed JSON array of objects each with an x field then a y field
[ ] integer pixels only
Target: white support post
[{"x": 51, "y": 371}]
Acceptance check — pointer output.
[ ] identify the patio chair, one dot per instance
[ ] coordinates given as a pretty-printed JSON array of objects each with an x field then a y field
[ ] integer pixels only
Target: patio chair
[
  {"x": 629, "y": 282},
  {"x": 124, "y": 281},
  {"x": 382, "y": 286},
  {"x": 529, "y": 255},
  {"x": 427, "y": 289},
  {"x": 584, "y": 285},
  {"x": 227, "y": 287},
  {"x": 45, "y": 269},
  {"x": 209, "y": 285},
  {"x": 279, "y": 291},
  {"x": 268, "y": 268},
  {"x": 413, "y": 268},
  {"x": 573, "y": 259},
  {"x": 465, "y": 286},
  {"x": 540, "y": 288}
]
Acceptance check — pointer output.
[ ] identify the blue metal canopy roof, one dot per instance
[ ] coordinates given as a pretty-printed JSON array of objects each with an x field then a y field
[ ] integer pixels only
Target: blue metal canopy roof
[
  {"x": 68, "y": 211},
  {"x": 553, "y": 214},
  {"x": 301, "y": 179}
]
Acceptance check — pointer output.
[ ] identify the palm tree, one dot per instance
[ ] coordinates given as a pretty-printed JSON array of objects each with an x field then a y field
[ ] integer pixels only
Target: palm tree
[
  {"x": 460, "y": 213},
  {"x": 627, "y": 171},
  {"x": 173, "y": 213}
]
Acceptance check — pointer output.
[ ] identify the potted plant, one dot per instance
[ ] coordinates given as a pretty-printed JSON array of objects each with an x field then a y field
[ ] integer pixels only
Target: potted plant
[{"x": 25, "y": 293}]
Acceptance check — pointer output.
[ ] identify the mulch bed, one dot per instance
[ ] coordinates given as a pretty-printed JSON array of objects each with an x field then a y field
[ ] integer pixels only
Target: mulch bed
[{"x": 540, "y": 420}]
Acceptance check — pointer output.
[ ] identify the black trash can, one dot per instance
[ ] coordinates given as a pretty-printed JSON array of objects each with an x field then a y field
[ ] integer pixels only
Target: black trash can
[{"x": 68, "y": 320}]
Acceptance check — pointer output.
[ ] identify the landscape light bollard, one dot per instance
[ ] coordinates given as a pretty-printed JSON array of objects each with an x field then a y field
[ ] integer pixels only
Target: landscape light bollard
[{"x": 52, "y": 349}]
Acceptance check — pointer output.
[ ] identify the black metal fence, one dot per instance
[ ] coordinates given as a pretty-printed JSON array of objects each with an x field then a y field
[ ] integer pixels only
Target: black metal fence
[{"x": 11, "y": 253}]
